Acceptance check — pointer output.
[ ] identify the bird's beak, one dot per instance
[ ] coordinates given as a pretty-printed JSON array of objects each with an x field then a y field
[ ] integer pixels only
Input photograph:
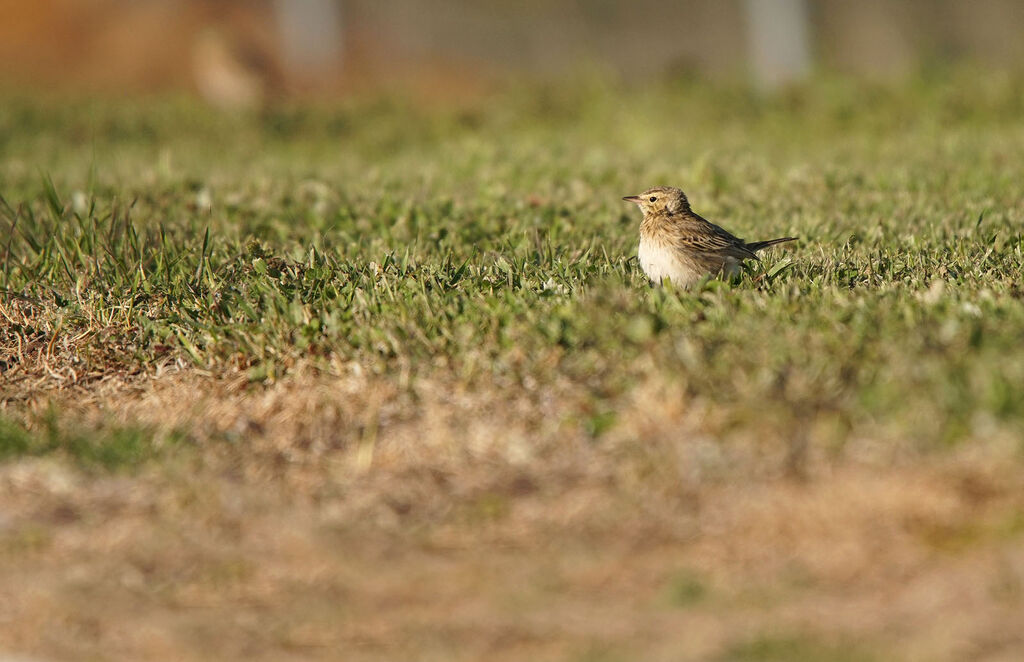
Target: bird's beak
[{"x": 632, "y": 198}]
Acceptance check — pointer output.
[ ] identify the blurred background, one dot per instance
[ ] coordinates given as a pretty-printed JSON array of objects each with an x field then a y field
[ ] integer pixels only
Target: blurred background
[{"x": 239, "y": 53}]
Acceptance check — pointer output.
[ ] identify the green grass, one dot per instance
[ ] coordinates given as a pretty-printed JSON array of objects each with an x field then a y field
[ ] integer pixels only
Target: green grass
[
  {"x": 491, "y": 241},
  {"x": 771, "y": 648},
  {"x": 109, "y": 448},
  {"x": 687, "y": 588}
]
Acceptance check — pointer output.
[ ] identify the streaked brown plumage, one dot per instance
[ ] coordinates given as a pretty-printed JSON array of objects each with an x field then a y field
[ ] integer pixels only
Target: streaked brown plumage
[{"x": 678, "y": 245}]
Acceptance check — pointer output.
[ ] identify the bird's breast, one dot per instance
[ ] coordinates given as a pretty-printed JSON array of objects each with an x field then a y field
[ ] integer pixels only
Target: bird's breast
[{"x": 660, "y": 261}]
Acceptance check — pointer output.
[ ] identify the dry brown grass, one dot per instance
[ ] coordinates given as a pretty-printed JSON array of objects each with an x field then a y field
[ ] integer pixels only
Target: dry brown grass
[{"x": 350, "y": 515}]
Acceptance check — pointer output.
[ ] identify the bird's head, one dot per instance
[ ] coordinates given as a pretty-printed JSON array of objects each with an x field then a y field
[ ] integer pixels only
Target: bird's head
[{"x": 660, "y": 200}]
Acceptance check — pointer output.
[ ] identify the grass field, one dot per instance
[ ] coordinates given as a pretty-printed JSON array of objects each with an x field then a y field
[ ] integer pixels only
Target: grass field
[{"x": 380, "y": 381}]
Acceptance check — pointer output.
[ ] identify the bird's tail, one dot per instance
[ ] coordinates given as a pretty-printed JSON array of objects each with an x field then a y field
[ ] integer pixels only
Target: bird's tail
[{"x": 758, "y": 245}]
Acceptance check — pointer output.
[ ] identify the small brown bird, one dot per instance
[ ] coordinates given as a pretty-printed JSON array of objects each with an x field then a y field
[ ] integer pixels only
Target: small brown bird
[{"x": 677, "y": 244}]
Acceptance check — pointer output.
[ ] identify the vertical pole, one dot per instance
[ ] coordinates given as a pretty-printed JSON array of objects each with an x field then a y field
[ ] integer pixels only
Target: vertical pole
[
  {"x": 778, "y": 34},
  {"x": 311, "y": 34}
]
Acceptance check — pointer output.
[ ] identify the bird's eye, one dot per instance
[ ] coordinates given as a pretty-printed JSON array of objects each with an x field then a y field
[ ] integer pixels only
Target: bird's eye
[{"x": 653, "y": 198}]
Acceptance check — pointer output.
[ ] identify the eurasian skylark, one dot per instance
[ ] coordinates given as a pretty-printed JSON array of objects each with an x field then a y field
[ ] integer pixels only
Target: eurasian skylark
[{"x": 678, "y": 245}]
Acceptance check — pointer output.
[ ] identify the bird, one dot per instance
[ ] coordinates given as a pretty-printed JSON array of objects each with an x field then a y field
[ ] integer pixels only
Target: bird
[{"x": 680, "y": 246}]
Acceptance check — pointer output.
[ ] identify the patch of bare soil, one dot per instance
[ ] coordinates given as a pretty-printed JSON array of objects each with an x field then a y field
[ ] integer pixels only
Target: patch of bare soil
[{"x": 353, "y": 517}]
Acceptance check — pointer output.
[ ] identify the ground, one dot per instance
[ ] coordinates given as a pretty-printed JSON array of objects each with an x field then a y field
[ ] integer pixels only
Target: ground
[{"x": 375, "y": 380}]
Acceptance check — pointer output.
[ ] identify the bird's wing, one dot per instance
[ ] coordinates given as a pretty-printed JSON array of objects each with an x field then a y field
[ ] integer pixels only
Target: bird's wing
[{"x": 701, "y": 236}]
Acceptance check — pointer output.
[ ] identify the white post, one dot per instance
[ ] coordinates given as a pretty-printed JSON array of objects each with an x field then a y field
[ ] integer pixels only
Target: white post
[
  {"x": 310, "y": 34},
  {"x": 779, "y": 41}
]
